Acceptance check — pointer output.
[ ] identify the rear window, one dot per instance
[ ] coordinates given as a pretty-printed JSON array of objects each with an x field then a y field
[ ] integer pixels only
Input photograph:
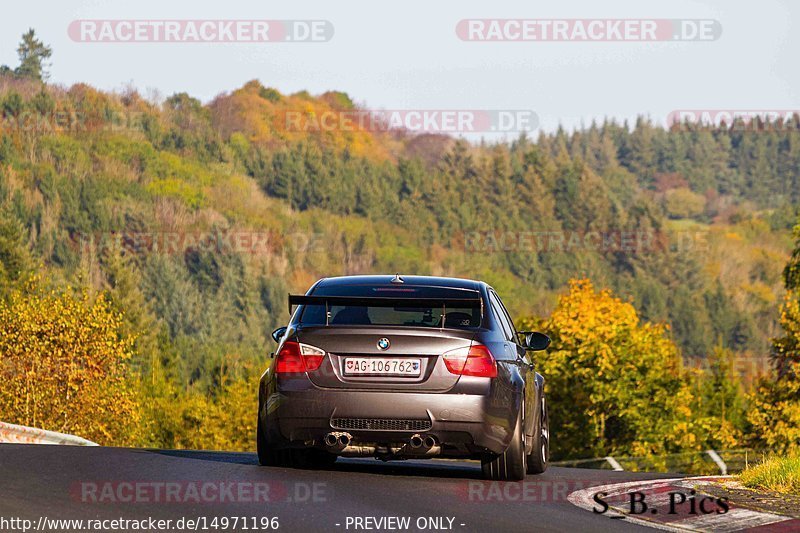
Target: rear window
[{"x": 428, "y": 316}]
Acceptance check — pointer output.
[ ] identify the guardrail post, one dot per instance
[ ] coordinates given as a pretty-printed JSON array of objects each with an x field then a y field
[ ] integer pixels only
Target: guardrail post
[
  {"x": 614, "y": 464},
  {"x": 723, "y": 468}
]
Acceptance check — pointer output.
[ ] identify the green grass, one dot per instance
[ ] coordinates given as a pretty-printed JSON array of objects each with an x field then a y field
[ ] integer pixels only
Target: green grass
[{"x": 779, "y": 474}]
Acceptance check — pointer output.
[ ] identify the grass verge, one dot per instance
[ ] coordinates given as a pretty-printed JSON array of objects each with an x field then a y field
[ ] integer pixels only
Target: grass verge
[{"x": 779, "y": 474}]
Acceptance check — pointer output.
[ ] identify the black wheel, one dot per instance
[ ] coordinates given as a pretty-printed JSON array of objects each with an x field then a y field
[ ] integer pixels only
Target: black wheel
[
  {"x": 266, "y": 455},
  {"x": 509, "y": 465},
  {"x": 540, "y": 452},
  {"x": 310, "y": 458}
]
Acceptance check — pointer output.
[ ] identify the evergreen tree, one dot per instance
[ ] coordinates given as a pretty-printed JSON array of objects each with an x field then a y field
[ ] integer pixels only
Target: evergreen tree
[
  {"x": 32, "y": 56},
  {"x": 16, "y": 263}
]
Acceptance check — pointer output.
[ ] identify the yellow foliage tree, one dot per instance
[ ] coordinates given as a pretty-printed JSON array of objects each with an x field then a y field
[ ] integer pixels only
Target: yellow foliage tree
[
  {"x": 775, "y": 412},
  {"x": 188, "y": 418},
  {"x": 616, "y": 385},
  {"x": 64, "y": 365}
]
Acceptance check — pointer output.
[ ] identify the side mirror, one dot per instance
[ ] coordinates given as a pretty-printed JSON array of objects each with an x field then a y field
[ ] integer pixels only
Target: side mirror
[
  {"x": 278, "y": 334},
  {"x": 536, "y": 341}
]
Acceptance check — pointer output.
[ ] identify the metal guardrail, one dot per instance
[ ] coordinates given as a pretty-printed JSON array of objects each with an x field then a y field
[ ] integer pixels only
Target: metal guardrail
[
  {"x": 12, "y": 433},
  {"x": 706, "y": 462}
]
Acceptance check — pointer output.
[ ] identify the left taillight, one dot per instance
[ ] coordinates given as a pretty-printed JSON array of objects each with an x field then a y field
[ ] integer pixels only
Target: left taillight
[{"x": 296, "y": 358}]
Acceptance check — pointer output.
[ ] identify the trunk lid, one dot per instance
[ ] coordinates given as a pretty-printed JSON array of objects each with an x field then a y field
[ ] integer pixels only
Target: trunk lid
[{"x": 406, "y": 346}]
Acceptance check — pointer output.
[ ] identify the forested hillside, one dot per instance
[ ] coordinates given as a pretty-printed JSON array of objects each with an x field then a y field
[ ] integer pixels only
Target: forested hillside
[{"x": 117, "y": 194}]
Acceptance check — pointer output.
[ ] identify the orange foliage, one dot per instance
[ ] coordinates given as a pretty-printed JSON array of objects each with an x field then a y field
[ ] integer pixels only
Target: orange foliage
[{"x": 267, "y": 117}]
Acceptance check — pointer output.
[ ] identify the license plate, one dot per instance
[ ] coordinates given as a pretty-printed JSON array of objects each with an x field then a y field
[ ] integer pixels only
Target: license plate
[{"x": 381, "y": 366}]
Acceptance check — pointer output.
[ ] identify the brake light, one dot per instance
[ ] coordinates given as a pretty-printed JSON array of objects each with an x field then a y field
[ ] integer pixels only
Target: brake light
[
  {"x": 476, "y": 360},
  {"x": 296, "y": 358}
]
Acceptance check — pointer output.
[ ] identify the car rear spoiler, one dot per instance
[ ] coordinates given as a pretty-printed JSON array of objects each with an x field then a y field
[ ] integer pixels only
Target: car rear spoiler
[{"x": 381, "y": 301}]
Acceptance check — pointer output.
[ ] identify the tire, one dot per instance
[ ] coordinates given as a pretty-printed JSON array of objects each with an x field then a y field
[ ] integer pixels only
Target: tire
[
  {"x": 310, "y": 458},
  {"x": 264, "y": 456},
  {"x": 509, "y": 465},
  {"x": 267, "y": 456},
  {"x": 540, "y": 451}
]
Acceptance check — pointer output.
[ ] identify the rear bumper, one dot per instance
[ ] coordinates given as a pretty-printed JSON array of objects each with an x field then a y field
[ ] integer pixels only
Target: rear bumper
[{"x": 465, "y": 424}]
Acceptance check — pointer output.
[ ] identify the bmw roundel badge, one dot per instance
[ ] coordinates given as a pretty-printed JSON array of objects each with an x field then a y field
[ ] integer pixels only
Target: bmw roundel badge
[{"x": 383, "y": 343}]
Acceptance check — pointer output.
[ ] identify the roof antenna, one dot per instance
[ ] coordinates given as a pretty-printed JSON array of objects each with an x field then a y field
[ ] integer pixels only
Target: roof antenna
[{"x": 397, "y": 279}]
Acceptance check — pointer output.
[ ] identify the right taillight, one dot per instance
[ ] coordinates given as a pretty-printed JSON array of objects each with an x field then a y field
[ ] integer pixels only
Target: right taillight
[
  {"x": 296, "y": 358},
  {"x": 476, "y": 360}
]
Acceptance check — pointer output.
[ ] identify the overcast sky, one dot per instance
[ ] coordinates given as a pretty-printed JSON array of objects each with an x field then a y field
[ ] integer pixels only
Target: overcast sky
[{"x": 406, "y": 55}]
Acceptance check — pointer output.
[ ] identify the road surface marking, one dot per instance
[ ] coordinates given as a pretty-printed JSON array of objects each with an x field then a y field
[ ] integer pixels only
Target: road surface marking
[{"x": 734, "y": 520}]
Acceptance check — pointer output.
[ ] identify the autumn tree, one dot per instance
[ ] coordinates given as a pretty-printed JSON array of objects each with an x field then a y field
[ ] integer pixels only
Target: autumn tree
[
  {"x": 683, "y": 203},
  {"x": 776, "y": 402},
  {"x": 191, "y": 418},
  {"x": 64, "y": 365},
  {"x": 616, "y": 385},
  {"x": 719, "y": 401},
  {"x": 775, "y": 412}
]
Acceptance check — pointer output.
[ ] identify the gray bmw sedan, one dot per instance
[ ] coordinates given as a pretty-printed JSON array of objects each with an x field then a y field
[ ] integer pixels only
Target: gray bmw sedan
[{"x": 399, "y": 367}]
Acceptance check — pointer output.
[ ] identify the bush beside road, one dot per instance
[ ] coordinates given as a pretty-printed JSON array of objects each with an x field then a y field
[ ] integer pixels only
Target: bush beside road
[{"x": 779, "y": 474}]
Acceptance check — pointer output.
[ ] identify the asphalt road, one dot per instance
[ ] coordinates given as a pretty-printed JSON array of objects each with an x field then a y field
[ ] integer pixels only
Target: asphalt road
[{"x": 63, "y": 482}]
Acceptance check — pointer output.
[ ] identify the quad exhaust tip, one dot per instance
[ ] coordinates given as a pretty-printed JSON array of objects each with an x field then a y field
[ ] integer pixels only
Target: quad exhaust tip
[{"x": 338, "y": 441}]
